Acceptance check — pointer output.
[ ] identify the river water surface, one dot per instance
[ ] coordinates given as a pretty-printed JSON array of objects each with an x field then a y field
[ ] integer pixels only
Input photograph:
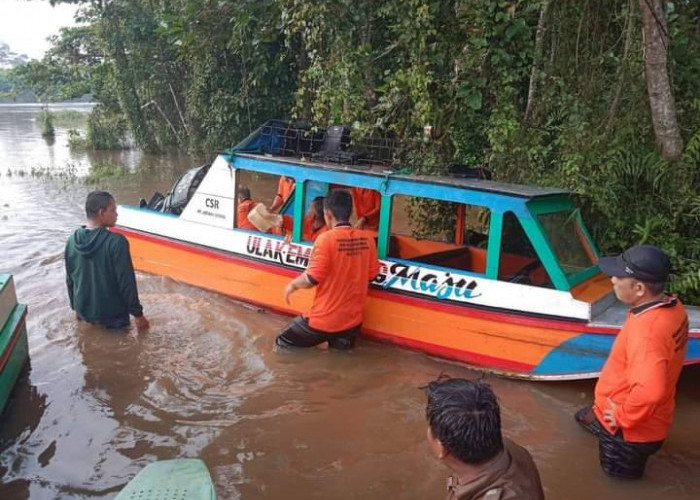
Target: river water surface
[{"x": 205, "y": 381}]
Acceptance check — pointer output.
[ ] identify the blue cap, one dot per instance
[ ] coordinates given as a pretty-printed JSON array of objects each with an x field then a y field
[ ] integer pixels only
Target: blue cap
[{"x": 645, "y": 263}]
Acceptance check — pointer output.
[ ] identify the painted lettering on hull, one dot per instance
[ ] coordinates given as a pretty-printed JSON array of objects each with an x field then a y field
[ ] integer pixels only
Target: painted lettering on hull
[
  {"x": 439, "y": 284},
  {"x": 276, "y": 250}
]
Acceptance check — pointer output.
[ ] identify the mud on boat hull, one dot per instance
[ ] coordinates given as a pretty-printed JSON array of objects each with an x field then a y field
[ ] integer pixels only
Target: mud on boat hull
[{"x": 516, "y": 345}]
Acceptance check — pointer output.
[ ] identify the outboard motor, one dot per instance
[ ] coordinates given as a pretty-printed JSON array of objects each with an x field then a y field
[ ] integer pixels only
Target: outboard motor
[{"x": 176, "y": 199}]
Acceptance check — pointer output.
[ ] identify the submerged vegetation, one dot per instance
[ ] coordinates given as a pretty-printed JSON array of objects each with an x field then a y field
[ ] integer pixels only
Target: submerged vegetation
[
  {"x": 537, "y": 91},
  {"x": 45, "y": 118}
]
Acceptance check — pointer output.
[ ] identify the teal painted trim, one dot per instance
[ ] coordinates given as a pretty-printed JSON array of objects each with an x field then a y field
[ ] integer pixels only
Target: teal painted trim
[
  {"x": 582, "y": 276},
  {"x": 548, "y": 205},
  {"x": 493, "y": 251},
  {"x": 299, "y": 195},
  {"x": 384, "y": 226},
  {"x": 17, "y": 353},
  {"x": 591, "y": 243},
  {"x": 410, "y": 187},
  {"x": 544, "y": 250}
]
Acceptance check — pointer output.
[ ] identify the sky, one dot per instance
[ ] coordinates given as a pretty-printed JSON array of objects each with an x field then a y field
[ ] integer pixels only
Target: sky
[{"x": 24, "y": 25}]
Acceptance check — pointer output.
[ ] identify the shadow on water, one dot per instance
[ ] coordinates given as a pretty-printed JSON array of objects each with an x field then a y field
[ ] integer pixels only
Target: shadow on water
[{"x": 206, "y": 381}]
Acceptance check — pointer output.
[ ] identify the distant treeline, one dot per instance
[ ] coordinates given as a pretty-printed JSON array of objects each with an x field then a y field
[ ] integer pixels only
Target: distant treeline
[{"x": 598, "y": 96}]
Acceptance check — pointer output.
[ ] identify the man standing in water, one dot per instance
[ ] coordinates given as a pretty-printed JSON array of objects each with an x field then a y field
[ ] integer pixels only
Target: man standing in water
[
  {"x": 464, "y": 431},
  {"x": 635, "y": 394},
  {"x": 343, "y": 262},
  {"x": 99, "y": 274}
]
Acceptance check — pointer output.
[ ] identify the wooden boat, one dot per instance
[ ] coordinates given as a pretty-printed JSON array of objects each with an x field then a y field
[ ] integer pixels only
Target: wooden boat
[
  {"x": 514, "y": 288},
  {"x": 14, "y": 350}
]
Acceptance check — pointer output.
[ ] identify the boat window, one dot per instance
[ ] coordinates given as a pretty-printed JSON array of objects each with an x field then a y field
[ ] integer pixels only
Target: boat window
[
  {"x": 313, "y": 223},
  {"x": 264, "y": 202},
  {"x": 439, "y": 233},
  {"x": 518, "y": 261},
  {"x": 568, "y": 241}
]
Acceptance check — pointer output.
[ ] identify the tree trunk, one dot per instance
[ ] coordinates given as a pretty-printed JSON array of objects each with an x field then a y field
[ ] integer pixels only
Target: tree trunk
[
  {"x": 534, "y": 73},
  {"x": 661, "y": 102}
]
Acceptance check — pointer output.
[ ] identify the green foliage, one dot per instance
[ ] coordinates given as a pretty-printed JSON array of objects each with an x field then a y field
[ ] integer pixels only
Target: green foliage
[
  {"x": 45, "y": 118},
  {"x": 201, "y": 74},
  {"x": 106, "y": 130},
  {"x": 69, "y": 118},
  {"x": 103, "y": 172}
]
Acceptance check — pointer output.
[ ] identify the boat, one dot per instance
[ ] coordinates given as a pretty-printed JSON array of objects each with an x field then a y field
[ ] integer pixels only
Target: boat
[
  {"x": 14, "y": 350},
  {"x": 508, "y": 281},
  {"x": 177, "y": 479}
]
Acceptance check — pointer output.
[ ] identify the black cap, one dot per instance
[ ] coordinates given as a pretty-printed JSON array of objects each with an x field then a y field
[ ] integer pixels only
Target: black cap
[{"x": 645, "y": 263}]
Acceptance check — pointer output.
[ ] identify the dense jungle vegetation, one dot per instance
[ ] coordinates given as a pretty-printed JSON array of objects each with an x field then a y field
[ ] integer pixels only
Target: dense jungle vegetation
[{"x": 598, "y": 96}]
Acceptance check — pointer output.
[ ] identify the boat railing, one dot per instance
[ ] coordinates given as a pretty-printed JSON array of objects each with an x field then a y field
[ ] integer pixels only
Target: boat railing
[{"x": 324, "y": 145}]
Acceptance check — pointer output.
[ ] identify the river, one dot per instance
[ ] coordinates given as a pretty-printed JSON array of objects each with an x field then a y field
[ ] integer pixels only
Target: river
[{"x": 205, "y": 381}]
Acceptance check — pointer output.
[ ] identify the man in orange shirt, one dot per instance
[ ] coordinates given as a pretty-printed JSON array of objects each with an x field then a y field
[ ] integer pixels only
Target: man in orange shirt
[
  {"x": 366, "y": 203},
  {"x": 343, "y": 262},
  {"x": 245, "y": 205},
  {"x": 313, "y": 224},
  {"x": 284, "y": 191},
  {"x": 635, "y": 394}
]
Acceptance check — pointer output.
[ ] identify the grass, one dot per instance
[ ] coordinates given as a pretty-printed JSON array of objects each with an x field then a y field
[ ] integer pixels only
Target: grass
[
  {"x": 47, "y": 127},
  {"x": 70, "y": 118}
]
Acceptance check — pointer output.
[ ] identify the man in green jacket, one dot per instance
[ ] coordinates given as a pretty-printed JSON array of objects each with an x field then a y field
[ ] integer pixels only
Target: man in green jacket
[{"x": 99, "y": 274}]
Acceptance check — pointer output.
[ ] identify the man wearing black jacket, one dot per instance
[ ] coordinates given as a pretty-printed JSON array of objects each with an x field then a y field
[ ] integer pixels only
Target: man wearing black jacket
[{"x": 99, "y": 273}]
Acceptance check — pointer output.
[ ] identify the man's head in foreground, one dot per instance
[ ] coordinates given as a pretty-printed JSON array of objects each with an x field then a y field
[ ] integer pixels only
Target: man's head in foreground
[
  {"x": 638, "y": 274},
  {"x": 464, "y": 420},
  {"x": 101, "y": 209}
]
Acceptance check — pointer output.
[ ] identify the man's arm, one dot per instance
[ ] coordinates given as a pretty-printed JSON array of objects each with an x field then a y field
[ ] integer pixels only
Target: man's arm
[
  {"x": 300, "y": 282},
  {"x": 648, "y": 367},
  {"x": 126, "y": 281},
  {"x": 315, "y": 272},
  {"x": 69, "y": 279}
]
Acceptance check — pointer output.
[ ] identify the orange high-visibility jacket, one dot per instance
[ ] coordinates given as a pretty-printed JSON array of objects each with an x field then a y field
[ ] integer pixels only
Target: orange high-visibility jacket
[{"x": 641, "y": 372}]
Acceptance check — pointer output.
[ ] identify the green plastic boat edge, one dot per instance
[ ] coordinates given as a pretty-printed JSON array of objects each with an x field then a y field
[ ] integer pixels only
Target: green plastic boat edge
[{"x": 178, "y": 479}]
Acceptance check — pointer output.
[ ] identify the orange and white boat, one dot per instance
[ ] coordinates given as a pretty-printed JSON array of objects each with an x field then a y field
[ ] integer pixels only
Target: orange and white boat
[{"x": 504, "y": 276}]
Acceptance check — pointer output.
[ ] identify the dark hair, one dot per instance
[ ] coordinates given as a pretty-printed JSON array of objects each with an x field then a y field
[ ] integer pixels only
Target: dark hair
[
  {"x": 339, "y": 202},
  {"x": 96, "y": 201},
  {"x": 464, "y": 416},
  {"x": 655, "y": 288},
  {"x": 316, "y": 207},
  {"x": 244, "y": 192}
]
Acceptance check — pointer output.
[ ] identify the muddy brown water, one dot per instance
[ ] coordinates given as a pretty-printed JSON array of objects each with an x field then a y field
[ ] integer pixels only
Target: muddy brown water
[{"x": 94, "y": 408}]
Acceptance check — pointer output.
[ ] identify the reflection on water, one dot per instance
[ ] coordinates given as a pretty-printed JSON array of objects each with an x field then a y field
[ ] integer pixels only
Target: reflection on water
[{"x": 205, "y": 381}]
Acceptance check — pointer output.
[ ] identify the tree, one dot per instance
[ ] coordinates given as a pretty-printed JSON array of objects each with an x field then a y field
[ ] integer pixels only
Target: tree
[{"x": 661, "y": 101}]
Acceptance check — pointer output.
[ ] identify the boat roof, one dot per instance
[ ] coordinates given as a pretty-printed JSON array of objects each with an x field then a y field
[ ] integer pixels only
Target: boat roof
[{"x": 519, "y": 190}]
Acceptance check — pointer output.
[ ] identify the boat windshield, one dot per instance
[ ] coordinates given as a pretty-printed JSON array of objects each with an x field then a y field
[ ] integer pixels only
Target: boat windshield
[{"x": 569, "y": 241}]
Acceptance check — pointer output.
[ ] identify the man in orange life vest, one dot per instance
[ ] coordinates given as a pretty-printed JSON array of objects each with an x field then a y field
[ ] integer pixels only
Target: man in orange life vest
[
  {"x": 284, "y": 191},
  {"x": 245, "y": 205},
  {"x": 366, "y": 203},
  {"x": 635, "y": 394},
  {"x": 343, "y": 262}
]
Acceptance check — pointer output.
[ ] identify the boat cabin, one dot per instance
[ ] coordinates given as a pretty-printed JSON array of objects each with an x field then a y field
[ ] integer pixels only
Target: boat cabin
[{"x": 458, "y": 226}]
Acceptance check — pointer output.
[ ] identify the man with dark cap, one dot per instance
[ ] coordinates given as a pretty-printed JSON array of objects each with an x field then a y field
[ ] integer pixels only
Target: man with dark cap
[
  {"x": 464, "y": 432},
  {"x": 635, "y": 394}
]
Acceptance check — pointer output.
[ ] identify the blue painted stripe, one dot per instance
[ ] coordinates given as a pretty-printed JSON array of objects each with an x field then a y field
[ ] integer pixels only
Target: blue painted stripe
[
  {"x": 584, "y": 353},
  {"x": 588, "y": 352}
]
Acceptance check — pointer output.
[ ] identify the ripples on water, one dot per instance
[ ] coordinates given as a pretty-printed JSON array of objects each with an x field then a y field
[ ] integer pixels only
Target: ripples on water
[{"x": 205, "y": 381}]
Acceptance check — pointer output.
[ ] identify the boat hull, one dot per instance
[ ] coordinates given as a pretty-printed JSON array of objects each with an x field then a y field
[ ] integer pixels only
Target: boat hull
[
  {"x": 516, "y": 345},
  {"x": 14, "y": 352}
]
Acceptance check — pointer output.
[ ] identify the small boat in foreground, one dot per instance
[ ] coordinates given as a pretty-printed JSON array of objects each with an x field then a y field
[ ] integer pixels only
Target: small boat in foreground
[
  {"x": 14, "y": 350},
  {"x": 503, "y": 276},
  {"x": 178, "y": 479}
]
